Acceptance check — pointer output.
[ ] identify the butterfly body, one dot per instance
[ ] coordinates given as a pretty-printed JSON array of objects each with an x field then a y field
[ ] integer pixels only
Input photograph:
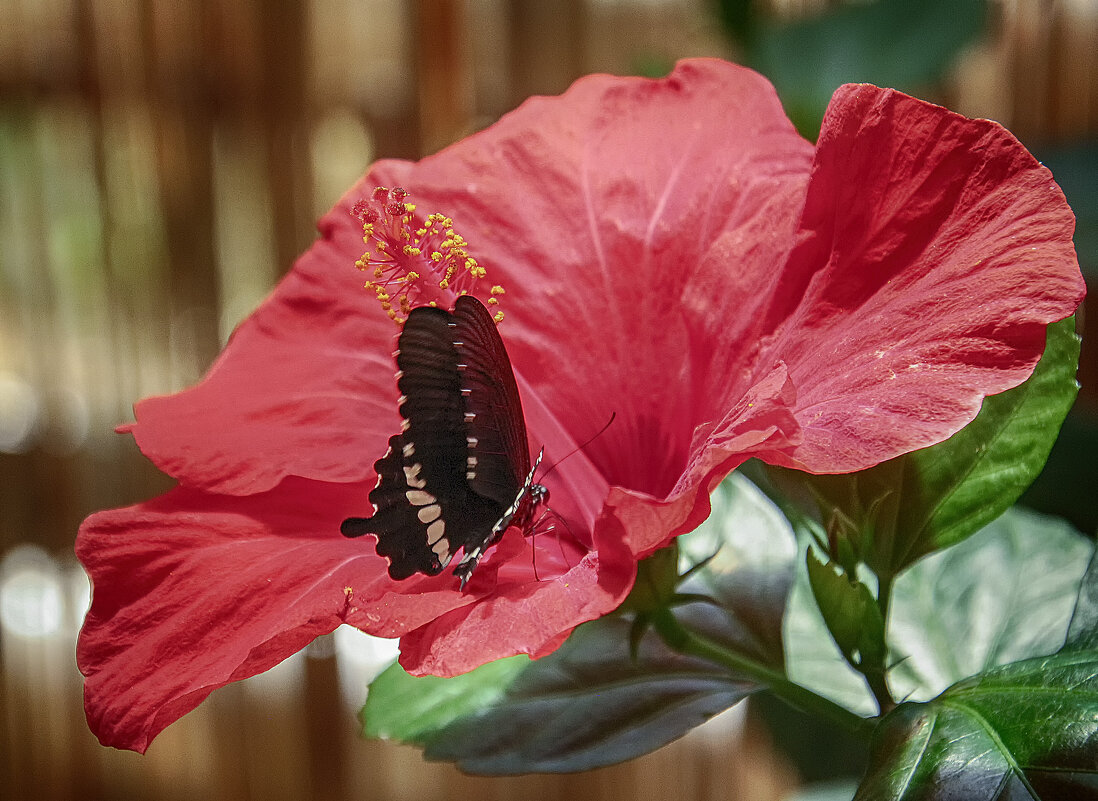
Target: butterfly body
[{"x": 459, "y": 472}]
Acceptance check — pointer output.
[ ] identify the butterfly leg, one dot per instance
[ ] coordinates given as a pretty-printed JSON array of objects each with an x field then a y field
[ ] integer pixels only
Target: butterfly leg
[
  {"x": 467, "y": 565},
  {"x": 536, "y": 528}
]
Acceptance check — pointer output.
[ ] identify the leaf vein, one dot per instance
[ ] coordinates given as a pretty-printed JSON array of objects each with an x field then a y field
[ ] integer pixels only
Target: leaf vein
[{"x": 993, "y": 735}]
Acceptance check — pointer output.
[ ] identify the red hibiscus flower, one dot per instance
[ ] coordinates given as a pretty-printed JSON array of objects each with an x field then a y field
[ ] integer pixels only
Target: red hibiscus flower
[{"x": 673, "y": 252}]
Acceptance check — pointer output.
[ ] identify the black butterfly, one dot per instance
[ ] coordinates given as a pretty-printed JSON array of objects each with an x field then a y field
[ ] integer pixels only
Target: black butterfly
[{"x": 459, "y": 473}]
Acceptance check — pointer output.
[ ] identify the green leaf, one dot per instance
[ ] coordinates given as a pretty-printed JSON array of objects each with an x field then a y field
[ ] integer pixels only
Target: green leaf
[
  {"x": 751, "y": 553},
  {"x": 593, "y": 702},
  {"x": 1083, "y": 630},
  {"x": 897, "y": 43},
  {"x": 850, "y": 611},
  {"x": 588, "y": 705},
  {"x": 1003, "y": 595},
  {"x": 1027, "y": 730},
  {"x": 813, "y": 658},
  {"x": 982, "y": 470},
  {"x": 411, "y": 708},
  {"x": 932, "y": 498}
]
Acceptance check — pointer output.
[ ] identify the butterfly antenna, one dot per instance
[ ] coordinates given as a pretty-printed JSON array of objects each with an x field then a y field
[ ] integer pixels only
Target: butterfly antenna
[{"x": 578, "y": 448}]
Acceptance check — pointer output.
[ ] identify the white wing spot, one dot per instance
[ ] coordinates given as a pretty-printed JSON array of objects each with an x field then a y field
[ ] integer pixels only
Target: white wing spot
[
  {"x": 411, "y": 475},
  {"x": 404, "y": 426},
  {"x": 472, "y": 441},
  {"x": 442, "y": 549},
  {"x": 409, "y": 449},
  {"x": 427, "y": 514},
  {"x": 418, "y": 497}
]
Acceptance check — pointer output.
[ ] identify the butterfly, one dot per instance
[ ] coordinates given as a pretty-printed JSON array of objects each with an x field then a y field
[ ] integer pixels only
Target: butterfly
[{"x": 459, "y": 473}]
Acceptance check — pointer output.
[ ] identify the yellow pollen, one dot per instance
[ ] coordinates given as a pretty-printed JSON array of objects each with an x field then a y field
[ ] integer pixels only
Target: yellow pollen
[{"x": 419, "y": 261}]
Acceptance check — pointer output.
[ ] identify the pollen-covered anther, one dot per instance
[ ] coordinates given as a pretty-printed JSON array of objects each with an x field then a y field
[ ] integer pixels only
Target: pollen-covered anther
[{"x": 412, "y": 260}]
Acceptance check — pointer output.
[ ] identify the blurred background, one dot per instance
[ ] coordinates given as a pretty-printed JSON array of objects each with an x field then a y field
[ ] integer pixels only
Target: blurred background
[{"x": 161, "y": 165}]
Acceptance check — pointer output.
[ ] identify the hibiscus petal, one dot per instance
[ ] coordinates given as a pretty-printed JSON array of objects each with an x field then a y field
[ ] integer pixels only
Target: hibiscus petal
[
  {"x": 762, "y": 422},
  {"x": 524, "y": 616},
  {"x": 636, "y": 225},
  {"x": 670, "y": 252},
  {"x": 667, "y": 258},
  {"x": 633, "y": 280},
  {"x": 304, "y": 388},
  {"x": 935, "y": 251},
  {"x": 653, "y": 279},
  {"x": 192, "y": 591}
]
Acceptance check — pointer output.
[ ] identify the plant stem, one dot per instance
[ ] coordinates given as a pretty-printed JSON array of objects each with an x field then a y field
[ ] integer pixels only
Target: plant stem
[
  {"x": 876, "y": 679},
  {"x": 878, "y": 685},
  {"x": 884, "y": 594},
  {"x": 688, "y": 642}
]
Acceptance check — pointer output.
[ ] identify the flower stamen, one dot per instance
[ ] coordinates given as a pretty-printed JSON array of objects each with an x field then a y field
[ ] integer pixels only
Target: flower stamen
[{"x": 414, "y": 261}]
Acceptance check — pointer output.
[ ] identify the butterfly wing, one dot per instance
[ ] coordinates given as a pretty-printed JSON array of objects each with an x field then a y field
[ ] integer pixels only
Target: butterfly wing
[
  {"x": 498, "y": 457},
  {"x": 425, "y": 511}
]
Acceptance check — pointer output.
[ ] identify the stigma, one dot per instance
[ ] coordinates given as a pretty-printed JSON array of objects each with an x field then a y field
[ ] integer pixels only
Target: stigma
[{"x": 412, "y": 260}]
